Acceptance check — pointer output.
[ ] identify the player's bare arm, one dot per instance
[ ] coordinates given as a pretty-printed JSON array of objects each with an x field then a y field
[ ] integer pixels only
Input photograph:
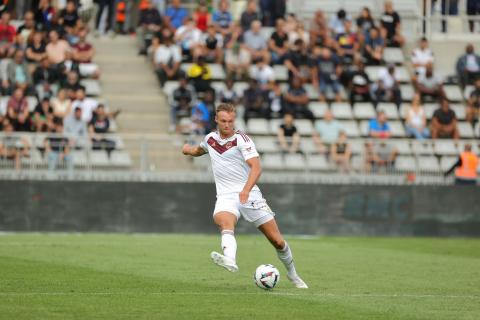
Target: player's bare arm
[
  {"x": 254, "y": 175},
  {"x": 194, "y": 151}
]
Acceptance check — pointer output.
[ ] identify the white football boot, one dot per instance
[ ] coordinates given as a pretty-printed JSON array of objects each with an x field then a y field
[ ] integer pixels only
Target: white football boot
[
  {"x": 222, "y": 261},
  {"x": 297, "y": 282}
]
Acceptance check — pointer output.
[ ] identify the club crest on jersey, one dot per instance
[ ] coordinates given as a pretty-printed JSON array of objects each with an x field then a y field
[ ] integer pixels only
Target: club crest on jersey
[{"x": 221, "y": 148}]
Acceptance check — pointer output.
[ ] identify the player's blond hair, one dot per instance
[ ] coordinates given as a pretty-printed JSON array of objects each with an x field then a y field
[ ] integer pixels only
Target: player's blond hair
[{"x": 227, "y": 107}]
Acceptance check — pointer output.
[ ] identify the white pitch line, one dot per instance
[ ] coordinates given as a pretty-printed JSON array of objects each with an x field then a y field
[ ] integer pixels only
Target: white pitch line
[{"x": 323, "y": 295}]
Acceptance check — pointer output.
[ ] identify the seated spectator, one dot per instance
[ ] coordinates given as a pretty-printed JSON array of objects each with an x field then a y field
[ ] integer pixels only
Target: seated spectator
[
  {"x": 255, "y": 43},
  {"x": 380, "y": 155},
  {"x": 58, "y": 50},
  {"x": 18, "y": 74},
  {"x": 188, "y": 37},
  {"x": 222, "y": 18},
  {"x": 167, "y": 59},
  {"x": 327, "y": 132},
  {"x": 36, "y": 49},
  {"x": 42, "y": 117},
  {"x": 44, "y": 77},
  {"x": 299, "y": 33},
  {"x": 212, "y": 46},
  {"x": 255, "y": 102},
  {"x": 296, "y": 101},
  {"x": 99, "y": 126},
  {"x": 473, "y": 106},
  {"x": 341, "y": 152},
  {"x": 347, "y": 44},
  {"x": 71, "y": 84},
  {"x": 229, "y": 95},
  {"x": 27, "y": 28},
  {"x": 278, "y": 43},
  {"x": 45, "y": 14},
  {"x": 61, "y": 104},
  {"x": 76, "y": 129},
  {"x": 200, "y": 118},
  {"x": 468, "y": 67},
  {"x": 150, "y": 24},
  {"x": 337, "y": 22},
  {"x": 388, "y": 87},
  {"x": 7, "y": 36},
  {"x": 379, "y": 127},
  {"x": 288, "y": 137},
  {"x": 276, "y": 100},
  {"x": 263, "y": 73},
  {"x": 374, "y": 46},
  {"x": 326, "y": 70},
  {"x": 200, "y": 75},
  {"x": 444, "y": 122},
  {"x": 82, "y": 55},
  {"x": 359, "y": 85},
  {"x": 249, "y": 15},
  {"x": 201, "y": 16},
  {"x": 298, "y": 62},
  {"x": 17, "y": 106},
  {"x": 319, "y": 29},
  {"x": 13, "y": 147},
  {"x": 391, "y": 26},
  {"x": 421, "y": 57},
  {"x": 58, "y": 149},
  {"x": 88, "y": 105},
  {"x": 415, "y": 121},
  {"x": 430, "y": 84},
  {"x": 365, "y": 22},
  {"x": 175, "y": 15},
  {"x": 181, "y": 101},
  {"x": 237, "y": 59},
  {"x": 68, "y": 16}
]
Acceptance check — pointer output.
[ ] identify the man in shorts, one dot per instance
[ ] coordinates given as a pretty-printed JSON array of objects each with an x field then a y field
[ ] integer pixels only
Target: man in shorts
[{"x": 236, "y": 169}]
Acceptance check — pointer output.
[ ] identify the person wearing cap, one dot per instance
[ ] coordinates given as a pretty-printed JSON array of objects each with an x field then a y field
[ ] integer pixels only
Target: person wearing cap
[{"x": 465, "y": 168}]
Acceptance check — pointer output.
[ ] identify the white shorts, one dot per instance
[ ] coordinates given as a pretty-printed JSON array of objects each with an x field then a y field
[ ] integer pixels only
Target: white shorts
[{"x": 255, "y": 210}]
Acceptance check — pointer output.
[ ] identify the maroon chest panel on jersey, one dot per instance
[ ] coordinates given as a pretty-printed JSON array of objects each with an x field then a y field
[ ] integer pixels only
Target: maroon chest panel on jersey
[{"x": 221, "y": 148}]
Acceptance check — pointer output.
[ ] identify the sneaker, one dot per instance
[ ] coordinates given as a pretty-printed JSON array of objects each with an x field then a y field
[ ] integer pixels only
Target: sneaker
[
  {"x": 297, "y": 282},
  {"x": 223, "y": 261}
]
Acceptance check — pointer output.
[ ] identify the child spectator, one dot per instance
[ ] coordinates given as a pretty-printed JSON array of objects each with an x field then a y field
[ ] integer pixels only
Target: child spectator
[
  {"x": 340, "y": 153},
  {"x": 201, "y": 16},
  {"x": 287, "y": 135}
]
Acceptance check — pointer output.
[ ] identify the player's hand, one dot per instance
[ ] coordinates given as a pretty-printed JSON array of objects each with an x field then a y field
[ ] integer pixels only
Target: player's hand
[
  {"x": 186, "y": 149},
  {"x": 243, "y": 196}
]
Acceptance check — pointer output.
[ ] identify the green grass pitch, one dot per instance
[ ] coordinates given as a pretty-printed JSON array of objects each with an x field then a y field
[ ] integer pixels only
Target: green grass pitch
[{"x": 117, "y": 276}]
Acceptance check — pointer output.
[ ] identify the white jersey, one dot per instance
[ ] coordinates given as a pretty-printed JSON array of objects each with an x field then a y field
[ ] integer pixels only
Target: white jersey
[{"x": 229, "y": 157}]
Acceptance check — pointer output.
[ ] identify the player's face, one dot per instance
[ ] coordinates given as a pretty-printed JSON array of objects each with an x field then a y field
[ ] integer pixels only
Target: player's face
[{"x": 226, "y": 123}]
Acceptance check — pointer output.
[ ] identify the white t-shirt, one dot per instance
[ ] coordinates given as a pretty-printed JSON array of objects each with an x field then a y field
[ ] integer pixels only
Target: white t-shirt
[
  {"x": 422, "y": 57},
  {"x": 164, "y": 54},
  {"x": 229, "y": 157},
  {"x": 386, "y": 78},
  {"x": 189, "y": 36},
  {"x": 472, "y": 64},
  {"x": 416, "y": 118},
  {"x": 88, "y": 105},
  {"x": 263, "y": 75}
]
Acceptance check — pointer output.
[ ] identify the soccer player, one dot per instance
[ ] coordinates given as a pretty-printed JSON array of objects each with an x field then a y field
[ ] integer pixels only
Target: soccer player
[{"x": 236, "y": 168}]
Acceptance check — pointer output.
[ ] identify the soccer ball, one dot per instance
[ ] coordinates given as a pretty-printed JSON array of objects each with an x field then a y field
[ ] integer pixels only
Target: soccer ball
[{"x": 266, "y": 276}]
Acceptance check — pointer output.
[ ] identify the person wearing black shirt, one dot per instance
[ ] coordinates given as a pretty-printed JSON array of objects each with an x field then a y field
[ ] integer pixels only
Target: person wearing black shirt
[
  {"x": 249, "y": 15},
  {"x": 255, "y": 102},
  {"x": 287, "y": 135},
  {"x": 473, "y": 108},
  {"x": 298, "y": 62},
  {"x": 444, "y": 122},
  {"x": 296, "y": 101},
  {"x": 182, "y": 98},
  {"x": 42, "y": 117},
  {"x": 359, "y": 85},
  {"x": 278, "y": 43},
  {"x": 57, "y": 148},
  {"x": 99, "y": 125},
  {"x": 212, "y": 46},
  {"x": 69, "y": 16},
  {"x": 391, "y": 27}
]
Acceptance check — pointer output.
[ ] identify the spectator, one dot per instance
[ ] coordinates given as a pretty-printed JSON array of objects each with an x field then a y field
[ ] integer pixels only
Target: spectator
[
  {"x": 365, "y": 22},
  {"x": 255, "y": 43},
  {"x": 44, "y": 78},
  {"x": 175, "y": 15},
  {"x": 380, "y": 155},
  {"x": 58, "y": 50},
  {"x": 18, "y": 74},
  {"x": 275, "y": 100},
  {"x": 57, "y": 148},
  {"x": 167, "y": 59},
  {"x": 444, "y": 122},
  {"x": 374, "y": 46},
  {"x": 359, "y": 85},
  {"x": 27, "y": 28},
  {"x": 104, "y": 5},
  {"x": 421, "y": 57},
  {"x": 473, "y": 106},
  {"x": 465, "y": 167},
  {"x": 430, "y": 84},
  {"x": 17, "y": 106},
  {"x": 229, "y": 95},
  {"x": 272, "y": 10},
  {"x": 448, "y": 8},
  {"x": 42, "y": 117},
  {"x": 318, "y": 29},
  {"x": 72, "y": 84},
  {"x": 13, "y": 147},
  {"x": 468, "y": 66},
  {"x": 181, "y": 101},
  {"x": 76, "y": 129},
  {"x": 379, "y": 127},
  {"x": 341, "y": 152},
  {"x": 327, "y": 132},
  {"x": 416, "y": 122},
  {"x": 45, "y": 14},
  {"x": 263, "y": 73},
  {"x": 82, "y": 55},
  {"x": 287, "y": 134},
  {"x": 296, "y": 101},
  {"x": 212, "y": 45},
  {"x": 200, "y": 118},
  {"x": 188, "y": 37},
  {"x": 68, "y": 17},
  {"x": 473, "y": 9},
  {"x": 278, "y": 43},
  {"x": 347, "y": 44},
  {"x": 88, "y": 105},
  {"x": 255, "y": 102},
  {"x": 36, "y": 49},
  {"x": 249, "y": 15},
  {"x": 150, "y": 24},
  {"x": 391, "y": 26},
  {"x": 299, "y": 33},
  {"x": 237, "y": 59},
  {"x": 201, "y": 16},
  {"x": 97, "y": 128},
  {"x": 222, "y": 18},
  {"x": 7, "y": 35},
  {"x": 325, "y": 72},
  {"x": 388, "y": 87},
  {"x": 337, "y": 22},
  {"x": 200, "y": 75},
  {"x": 62, "y": 106},
  {"x": 298, "y": 62}
]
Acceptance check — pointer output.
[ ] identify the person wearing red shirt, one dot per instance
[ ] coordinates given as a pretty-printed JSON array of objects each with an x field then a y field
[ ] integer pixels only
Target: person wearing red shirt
[{"x": 7, "y": 35}]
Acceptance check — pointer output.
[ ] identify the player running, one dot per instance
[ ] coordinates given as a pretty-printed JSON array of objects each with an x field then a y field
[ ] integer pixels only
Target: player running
[{"x": 236, "y": 168}]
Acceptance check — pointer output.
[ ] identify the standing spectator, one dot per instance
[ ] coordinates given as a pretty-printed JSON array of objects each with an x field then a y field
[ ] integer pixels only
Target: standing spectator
[
  {"x": 36, "y": 49},
  {"x": 327, "y": 132},
  {"x": 181, "y": 101},
  {"x": 97, "y": 128},
  {"x": 222, "y": 18},
  {"x": 468, "y": 66},
  {"x": 263, "y": 73},
  {"x": 347, "y": 44},
  {"x": 255, "y": 43},
  {"x": 278, "y": 43},
  {"x": 188, "y": 37},
  {"x": 473, "y": 9},
  {"x": 58, "y": 50},
  {"x": 325, "y": 72},
  {"x": 200, "y": 75},
  {"x": 391, "y": 26},
  {"x": 255, "y": 102},
  {"x": 61, "y": 104},
  {"x": 88, "y": 105},
  {"x": 341, "y": 152},
  {"x": 473, "y": 106},
  {"x": 388, "y": 87},
  {"x": 374, "y": 46},
  {"x": 465, "y": 167},
  {"x": 7, "y": 35},
  {"x": 287, "y": 135},
  {"x": 212, "y": 45},
  {"x": 444, "y": 122},
  {"x": 421, "y": 57},
  {"x": 318, "y": 29},
  {"x": 45, "y": 14},
  {"x": 76, "y": 129},
  {"x": 201, "y": 16},
  {"x": 150, "y": 24},
  {"x": 102, "y": 6},
  {"x": 18, "y": 74},
  {"x": 298, "y": 62},
  {"x": 448, "y": 8},
  {"x": 82, "y": 55},
  {"x": 296, "y": 101},
  {"x": 57, "y": 148},
  {"x": 68, "y": 17},
  {"x": 249, "y": 15},
  {"x": 42, "y": 117},
  {"x": 430, "y": 84},
  {"x": 167, "y": 59},
  {"x": 416, "y": 122},
  {"x": 359, "y": 85},
  {"x": 272, "y": 10},
  {"x": 175, "y": 15},
  {"x": 379, "y": 127}
]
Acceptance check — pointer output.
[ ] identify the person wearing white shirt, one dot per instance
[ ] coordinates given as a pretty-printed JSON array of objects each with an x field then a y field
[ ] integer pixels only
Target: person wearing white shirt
[
  {"x": 167, "y": 58},
  {"x": 387, "y": 88},
  {"x": 263, "y": 73},
  {"x": 422, "y": 56},
  {"x": 87, "y": 105},
  {"x": 188, "y": 36},
  {"x": 430, "y": 84}
]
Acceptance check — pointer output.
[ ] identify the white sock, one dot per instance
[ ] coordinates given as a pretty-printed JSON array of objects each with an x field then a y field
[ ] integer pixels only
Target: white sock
[
  {"x": 229, "y": 244},
  {"x": 285, "y": 255}
]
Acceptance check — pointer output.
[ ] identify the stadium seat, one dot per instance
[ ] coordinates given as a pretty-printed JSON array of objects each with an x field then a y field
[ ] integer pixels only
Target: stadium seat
[
  {"x": 32, "y": 103},
  {"x": 468, "y": 90},
  {"x": 79, "y": 158},
  {"x": 402, "y": 146},
  {"x": 447, "y": 162},
  {"x": 351, "y": 128},
  {"x": 217, "y": 71},
  {"x": 403, "y": 110},
  {"x": 120, "y": 159},
  {"x": 92, "y": 87},
  {"x": 273, "y": 126},
  {"x": 203, "y": 163},
  {"x": 430, "y": 109},
  {"x": 240, "y": 124},
  {"x": 312, "y": 92},
  {"x": 428, "y": 164},
  {"x": 407, "y": 91},
  {"x": 357, "y": 146},
  {"x": 294, "y": 161},
  {"x": 99, "y": 158},
  {"x": 363, "y": 110},
  {"x": 267, "y": 32},
  {"x": 304, "y": 127},
  {"x": 358, "y": 162},
  {"x": 266, "y": 144},
  {"x": 390, "y": 110},
  {"x": 397, "y": 129},
  {"x": 308, "y": 146},
  {"x": 477, "y": 130},
  {"x": 258, "y": 126},
  {"x": 465, "y": 129},
  {"x": 318, "y": 162},
  {"x": 169, "y": 87},
  {"x": 119, "y": 144},
  {"x": 281, "y": 73},
  {"x": 239, "y": 88},
  {"x": 422, "y": 147},
  {"x": 364, "y": 128},
  {"x": 393, "y": 55},
  {"x": 405, "y": 163},
  {"x": 445, "y": 147},
  {"x": 272, "y": 161},
  {"x": 401, "y": 73},
  {"x": 460, "y": 111},
  {"x": 341, "y": 110},
  {"x": 453, "y": 92},
  {"x": 318, "y": 108},
  {"x": 3, "y": 105}
]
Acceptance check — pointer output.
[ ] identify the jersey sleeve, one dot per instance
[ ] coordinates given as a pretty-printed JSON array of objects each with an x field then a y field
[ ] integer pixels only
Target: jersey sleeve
[
  {"x": 204, "y": 144},
  {"x": 247, "y": 147}
]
